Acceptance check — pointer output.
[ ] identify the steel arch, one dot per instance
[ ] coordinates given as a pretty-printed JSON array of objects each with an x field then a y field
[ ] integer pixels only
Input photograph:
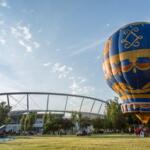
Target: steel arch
[{"x": 27, "y": 94}]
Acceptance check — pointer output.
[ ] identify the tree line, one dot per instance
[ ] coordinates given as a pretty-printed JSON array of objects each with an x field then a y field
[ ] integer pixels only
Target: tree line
[{"x": 113, "y": 120}]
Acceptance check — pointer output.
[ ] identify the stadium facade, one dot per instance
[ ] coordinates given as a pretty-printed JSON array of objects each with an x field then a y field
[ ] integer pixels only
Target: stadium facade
[{"x": 60, "y": 104}]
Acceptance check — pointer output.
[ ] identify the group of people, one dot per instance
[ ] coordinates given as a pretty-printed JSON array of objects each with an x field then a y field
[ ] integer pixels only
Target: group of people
[{"x": 139, "y": 131}]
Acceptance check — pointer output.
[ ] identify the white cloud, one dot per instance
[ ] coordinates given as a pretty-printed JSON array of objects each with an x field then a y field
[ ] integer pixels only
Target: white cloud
[
  {"x": 47, "y": 64},
  {"x": 26, "y": 46},
  {"x": 2, "y": 41},
  {"x": 25, "y": 32},
  {"x": 107, "y": 24},
  {"x": 78, "y": 88},
  {"x": 1, "y": 22},
  {"x": 77, "y": 82},
  {"x": 3, "y": 31},
  {"x": 62, "y": 70},
  {"x": 24, "y": 36},
  {"x": 70, "y": 68},
  {"x": 87, "y": 47},
  {"x": 36, "y": 45},
  {"x": 21, "y": 32},
  {"x": 71, "y": 78},
  {"x": 83, "y": 80},
  {"x": 3, "y": 3}
]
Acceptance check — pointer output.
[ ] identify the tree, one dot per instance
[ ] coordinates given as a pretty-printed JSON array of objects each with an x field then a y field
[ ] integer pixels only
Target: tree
[
  {"x": 132, "y": 119},
  {"x": 114, "y": 118},
  {"x": 98, "y": 124},
  {"x": 28, "y": 121},
  {"x": 22, "y": 122},
  {"x": 4, "y": 110},
  {"x": 67, "y": 124},
  {"x": 74, "y": 117},
  {"x": 53, "y": 124},
  {"x": 85, "y": 122},
  {"x": 49, "y": 123}
]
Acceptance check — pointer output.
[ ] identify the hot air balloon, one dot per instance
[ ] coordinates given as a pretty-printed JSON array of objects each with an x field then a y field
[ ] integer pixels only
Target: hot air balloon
[{"x": 126, "y": 65}]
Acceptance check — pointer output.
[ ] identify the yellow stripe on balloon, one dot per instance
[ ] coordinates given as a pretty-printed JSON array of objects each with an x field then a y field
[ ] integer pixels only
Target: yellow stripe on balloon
[{"x": 132, "y": 55}]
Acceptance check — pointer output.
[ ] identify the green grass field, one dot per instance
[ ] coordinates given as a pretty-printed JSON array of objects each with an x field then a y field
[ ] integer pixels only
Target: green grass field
[{"x": 105, "y": 142}]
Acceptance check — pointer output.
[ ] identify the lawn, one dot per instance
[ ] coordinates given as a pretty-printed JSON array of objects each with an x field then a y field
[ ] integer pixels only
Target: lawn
[{"x": 105, "y": 142}]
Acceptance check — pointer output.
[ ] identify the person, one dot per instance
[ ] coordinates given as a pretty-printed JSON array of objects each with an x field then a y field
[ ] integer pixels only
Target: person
[
  {"x": 61, "y": 132},
  {"x": 137, "y": 131},
  {"x": 141, "y": 133},
  {"x": 129, "y": 130}
]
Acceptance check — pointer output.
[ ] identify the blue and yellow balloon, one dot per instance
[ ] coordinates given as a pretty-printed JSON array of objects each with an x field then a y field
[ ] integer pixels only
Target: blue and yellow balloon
[{"x": 126, "y": 67}]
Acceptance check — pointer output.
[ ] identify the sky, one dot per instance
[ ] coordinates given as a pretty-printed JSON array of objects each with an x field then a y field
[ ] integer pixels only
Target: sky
[{"x": 57, "y": 45}]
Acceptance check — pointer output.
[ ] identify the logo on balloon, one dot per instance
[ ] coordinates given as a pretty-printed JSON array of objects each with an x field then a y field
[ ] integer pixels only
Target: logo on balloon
[{"x": 131, "y": 38}]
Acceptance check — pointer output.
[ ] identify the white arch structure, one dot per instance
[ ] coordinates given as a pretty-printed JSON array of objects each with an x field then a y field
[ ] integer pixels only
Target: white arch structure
[{"x": 27, "y": 97}]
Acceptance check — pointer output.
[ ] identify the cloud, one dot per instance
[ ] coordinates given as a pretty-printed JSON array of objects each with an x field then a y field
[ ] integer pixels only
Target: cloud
[
  {"x": 25, "y": 32},
  {"x": 82, "y": 80},
  {"x": 1, "y": 22},
  {"x": 78, "y": 88},
  {"x": 21, "y": 32},
  {"x": 3, "y": 3},
  {"x": 47, "y": 64},
  {"x": 36, "y": 45},
  {"x": 62, "y": 70},
  {"x": 88, "y": 47},
  {"x": 2, "y": 41},
  {"x": 24, "y": 36},
  {"x": 77, "y": 83},
  {"x": 107, "y": 25},
  {"x": 79, "y": 79},
  {"x": 27, "y": 47},
  {"x": 3, "y": 32},
  {"x": 71, "y": 78}
]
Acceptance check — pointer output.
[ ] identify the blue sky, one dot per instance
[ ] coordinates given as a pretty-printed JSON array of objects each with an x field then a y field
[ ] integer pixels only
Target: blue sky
[{"x": 56, "y": 45}]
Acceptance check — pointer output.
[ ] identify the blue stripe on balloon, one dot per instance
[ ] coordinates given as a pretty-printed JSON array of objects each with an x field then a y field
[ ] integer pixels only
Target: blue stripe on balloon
[
  {"x": 138, "y": 109},
  {"x": 137, "y": 100},
  {"x": 131, "y": 78}
]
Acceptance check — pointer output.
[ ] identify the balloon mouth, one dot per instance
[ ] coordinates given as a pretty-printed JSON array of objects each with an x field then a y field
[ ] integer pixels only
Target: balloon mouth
[{"x": 144, "y": 118}]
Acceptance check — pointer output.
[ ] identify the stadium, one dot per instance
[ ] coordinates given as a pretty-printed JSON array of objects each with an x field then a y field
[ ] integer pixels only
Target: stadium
[{"x": 60, "y": 104}]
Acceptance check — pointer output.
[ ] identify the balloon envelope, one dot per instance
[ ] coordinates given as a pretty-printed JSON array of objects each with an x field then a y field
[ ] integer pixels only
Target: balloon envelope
[{"x": 126, "y": 66}]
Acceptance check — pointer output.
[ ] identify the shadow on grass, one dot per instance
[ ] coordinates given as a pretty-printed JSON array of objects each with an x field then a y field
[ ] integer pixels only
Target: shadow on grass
[
  {"x": 114, "y": 136},
  {"x": 117, "y": 136}
]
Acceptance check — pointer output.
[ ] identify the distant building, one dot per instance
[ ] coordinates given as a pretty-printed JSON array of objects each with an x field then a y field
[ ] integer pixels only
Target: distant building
[
  {"x": 15, "y": 125},
  {"x": 41, "y": 103}
]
